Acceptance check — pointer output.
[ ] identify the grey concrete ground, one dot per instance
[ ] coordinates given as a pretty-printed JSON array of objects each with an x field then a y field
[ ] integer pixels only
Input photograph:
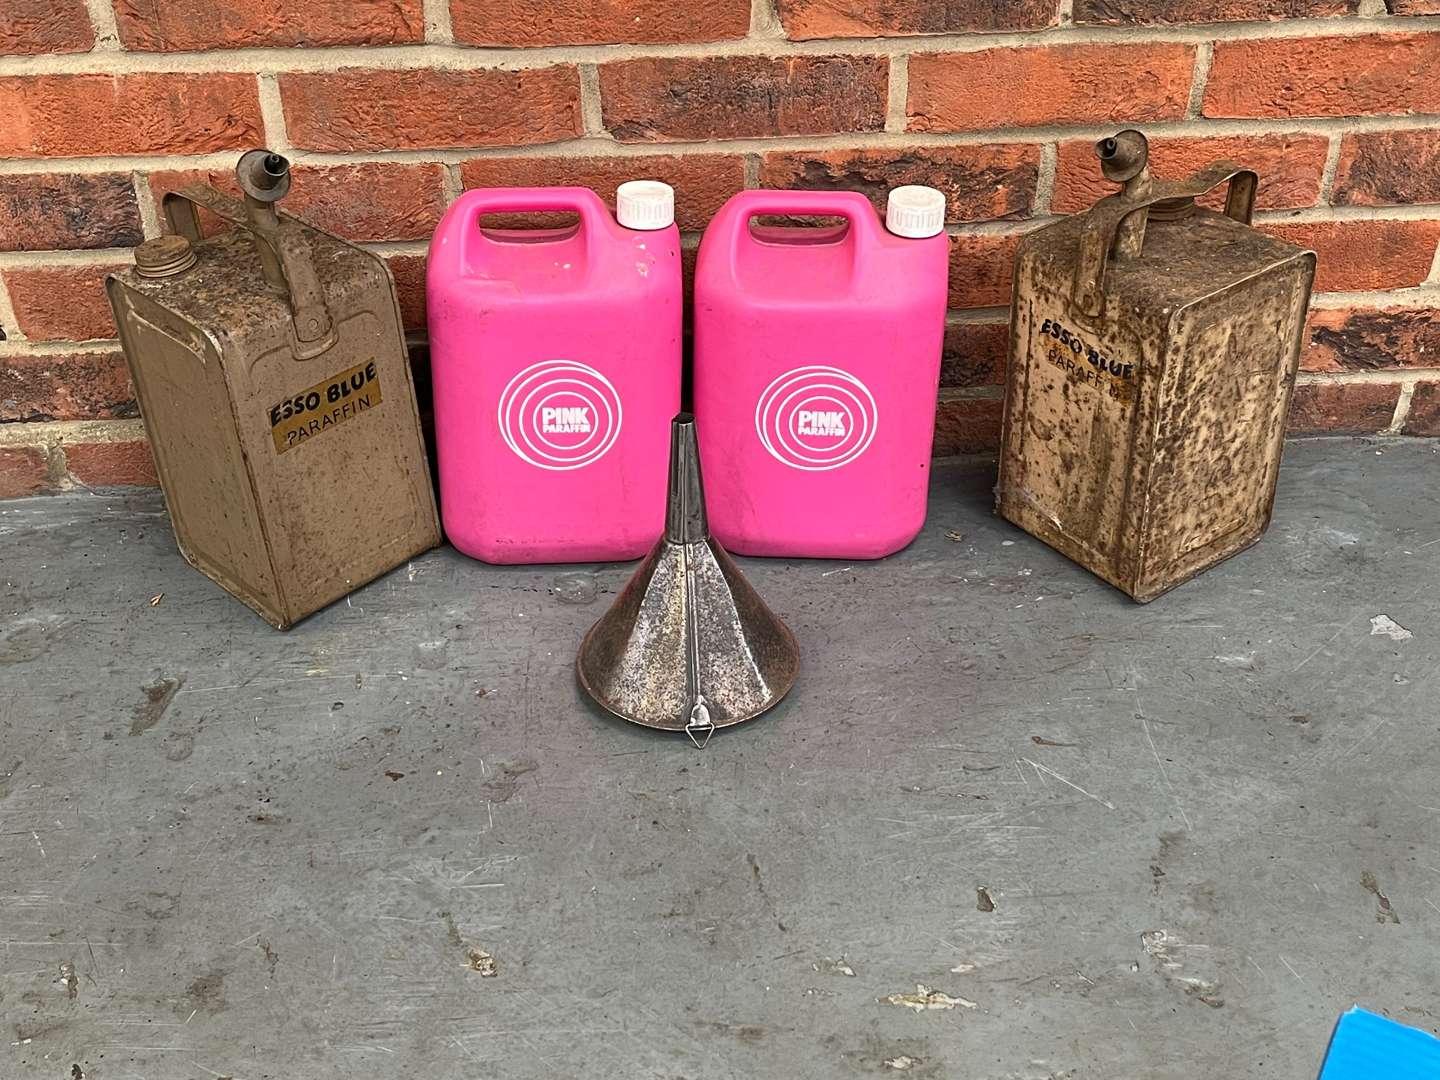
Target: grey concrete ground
[{"x": 1109, "y": 841}]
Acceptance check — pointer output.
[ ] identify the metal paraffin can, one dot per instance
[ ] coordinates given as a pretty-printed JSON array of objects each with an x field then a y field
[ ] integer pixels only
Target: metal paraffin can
[
  {"x": 271, "y": 371},
  {"x": 1153, "y": 350}
]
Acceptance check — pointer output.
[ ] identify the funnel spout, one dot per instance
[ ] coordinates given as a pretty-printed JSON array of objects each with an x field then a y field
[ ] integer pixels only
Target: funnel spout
[{"x": 685, "y": 520}]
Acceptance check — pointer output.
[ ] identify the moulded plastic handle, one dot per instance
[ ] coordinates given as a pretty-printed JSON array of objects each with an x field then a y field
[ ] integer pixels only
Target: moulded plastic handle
[
  {"x": 476, "y": 203},
  {"x": 851, "y": 205}
]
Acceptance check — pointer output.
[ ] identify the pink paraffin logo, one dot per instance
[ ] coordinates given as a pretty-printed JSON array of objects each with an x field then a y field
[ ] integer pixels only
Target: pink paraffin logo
[
  {"x": 559, "y": 415},
  {"x": 816, "y": 418}
]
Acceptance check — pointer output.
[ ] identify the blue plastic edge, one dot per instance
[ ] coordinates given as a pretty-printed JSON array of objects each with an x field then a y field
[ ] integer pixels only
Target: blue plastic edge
[{"x": 1366, "y": 1046}]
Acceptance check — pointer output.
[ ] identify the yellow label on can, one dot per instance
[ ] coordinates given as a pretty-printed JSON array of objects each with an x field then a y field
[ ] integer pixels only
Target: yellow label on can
[{"x": 324, "y": 406}]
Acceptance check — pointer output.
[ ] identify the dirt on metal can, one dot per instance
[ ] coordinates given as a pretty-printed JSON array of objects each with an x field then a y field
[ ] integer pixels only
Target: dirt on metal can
[
  {"x": 271, "y": 371},
  {"x": 1153, "y": 350}
]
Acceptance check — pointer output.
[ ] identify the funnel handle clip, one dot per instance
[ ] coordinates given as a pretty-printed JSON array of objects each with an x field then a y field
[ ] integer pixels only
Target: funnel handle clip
[{"x": 700, "y": 727}]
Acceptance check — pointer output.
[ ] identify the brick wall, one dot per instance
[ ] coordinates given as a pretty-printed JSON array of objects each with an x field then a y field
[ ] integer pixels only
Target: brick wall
[{"x": 391, "y": 107}]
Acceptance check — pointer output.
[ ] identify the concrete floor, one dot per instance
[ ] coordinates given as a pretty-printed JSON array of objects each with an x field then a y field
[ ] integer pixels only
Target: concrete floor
[{"x": 1202, "y": 828}]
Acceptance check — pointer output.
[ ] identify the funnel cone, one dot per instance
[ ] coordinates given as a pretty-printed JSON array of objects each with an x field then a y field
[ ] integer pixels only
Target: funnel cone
[{"x": 688, "y": 645}]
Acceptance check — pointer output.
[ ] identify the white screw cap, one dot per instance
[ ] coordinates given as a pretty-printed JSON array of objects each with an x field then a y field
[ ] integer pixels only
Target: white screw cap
[
  {"x": 645, "y": 204},
  {"x": 915, "y": 211}
]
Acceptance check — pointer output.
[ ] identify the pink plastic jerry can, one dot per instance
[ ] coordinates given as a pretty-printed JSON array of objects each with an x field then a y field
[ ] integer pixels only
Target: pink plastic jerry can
[
  {"x": 555, "y": 359},
  {"x": 817, "y": 359}
]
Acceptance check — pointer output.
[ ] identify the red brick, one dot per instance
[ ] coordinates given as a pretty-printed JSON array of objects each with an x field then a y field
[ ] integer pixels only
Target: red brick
[
  {"x": 1342, "y": 408},
  {"x": 974, "y": 354},
  {"x": 980, "y": 182},
  {"x": 1161, "y": 12},
  {"x": 67, "y": 210},
  {"x": 702, "y": 182},
  {"x": 409, "y": 273},
  {"x": 598, "y": 22},
  {"x": 24, "y": 470},
  {"x": 738, "y": 97},
  {"x": 61, "y": 303},
  {"x": 123, "y": 463},
  {"x": 1393, "y": 168},
  {"x": 149, "y": 113},
  {"x": 186, "y": 25},
  {"x": 66, "y": 386},
  {"x": 1363, "y": 255},
  {"x": 804, "y": 19},
  {"x": 372, "y": 201},
  {"x": 981, "y": 269},
  {"x": 44, "y": 26},
  {"x": 1413, "y": 7},
  {"x": 1424, "y": 415},
  {"x": 363, "y": 109},
  {"x": 1290, "y": 167},
  {"x": 1058, "y": 84},
  {"x": 1355, "y": 75},
  {"x": 1366, "y": 339},
  {"x": 967, "y": 425}
]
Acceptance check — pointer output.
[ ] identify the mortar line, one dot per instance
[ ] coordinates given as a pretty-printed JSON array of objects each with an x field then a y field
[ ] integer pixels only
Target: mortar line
[
  {"x": 388, "y": 248},
  {"x": 17, "y": 260},
  {"x": 446, "y": 56},
  {"x": 765, "y": 22},
  {"x": 592, "y": 114},
  {"x": 752, "y": 170},
  {"x": 897, "y": 100},
  {"x": 1204, "y": 57},
  {"x": 999, "y": 226},
  {"x": 995, "y": 227},
  {"x": 1332, "y": 166},
  {"x": 272, "y": 114},
  {"x": 58, "y": 348},
  {"x": 452, "y": 182},
  {"x": 1045, "y": 178},
  {"x": 606, "y": 147},
  {"x": 1065, "y": 16},
  {"x": 1415, "y": 296},
  {"x": 439, "y": 28},
  {"x": 969, "y": 393},
  {"x": 1402, "y": 376},
  {"x": 1402, "y": 409},
  {"x": 102, "y": 20},
  {"x": 9, "y": 321},
  {"x": 27, "y": 349},
  {"x": 1408, "y": 212},
  {"x": 145, "y": 204},
  {"x": 983, "y": 316},
  {"x": 52, "y": 432}
]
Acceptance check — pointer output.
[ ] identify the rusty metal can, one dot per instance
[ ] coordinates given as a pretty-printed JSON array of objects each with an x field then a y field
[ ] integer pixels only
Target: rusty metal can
[
  {"x": 1153, "y": 350},
  {"x": 271, "y": 371}
]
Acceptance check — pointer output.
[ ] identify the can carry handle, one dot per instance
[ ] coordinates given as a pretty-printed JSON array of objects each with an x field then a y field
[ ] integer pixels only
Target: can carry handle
[
  {"x": 313, "y": 329},
  {"x": 850, "y": 205},
  {"x": 477, "y": 202},
  {"x": 1108, "y": 217}
]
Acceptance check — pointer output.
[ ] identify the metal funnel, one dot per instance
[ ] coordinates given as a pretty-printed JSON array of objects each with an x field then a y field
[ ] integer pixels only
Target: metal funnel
[{"x": 688, "y": 645}]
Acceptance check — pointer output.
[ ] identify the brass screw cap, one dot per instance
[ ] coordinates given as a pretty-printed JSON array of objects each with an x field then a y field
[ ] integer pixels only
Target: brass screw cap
[{"x": 164, "y": 256}]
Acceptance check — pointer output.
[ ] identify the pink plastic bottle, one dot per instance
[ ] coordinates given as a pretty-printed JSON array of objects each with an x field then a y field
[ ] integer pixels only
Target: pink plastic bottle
[
  {"x": 817, "y": 358},
  {"x": 555, "y": 356}
]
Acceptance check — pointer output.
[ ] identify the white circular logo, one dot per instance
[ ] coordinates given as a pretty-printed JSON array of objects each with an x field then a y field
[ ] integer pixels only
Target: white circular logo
[
  {"x": 559, "y": 414},
  {"x": 816, "y": 418}
]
